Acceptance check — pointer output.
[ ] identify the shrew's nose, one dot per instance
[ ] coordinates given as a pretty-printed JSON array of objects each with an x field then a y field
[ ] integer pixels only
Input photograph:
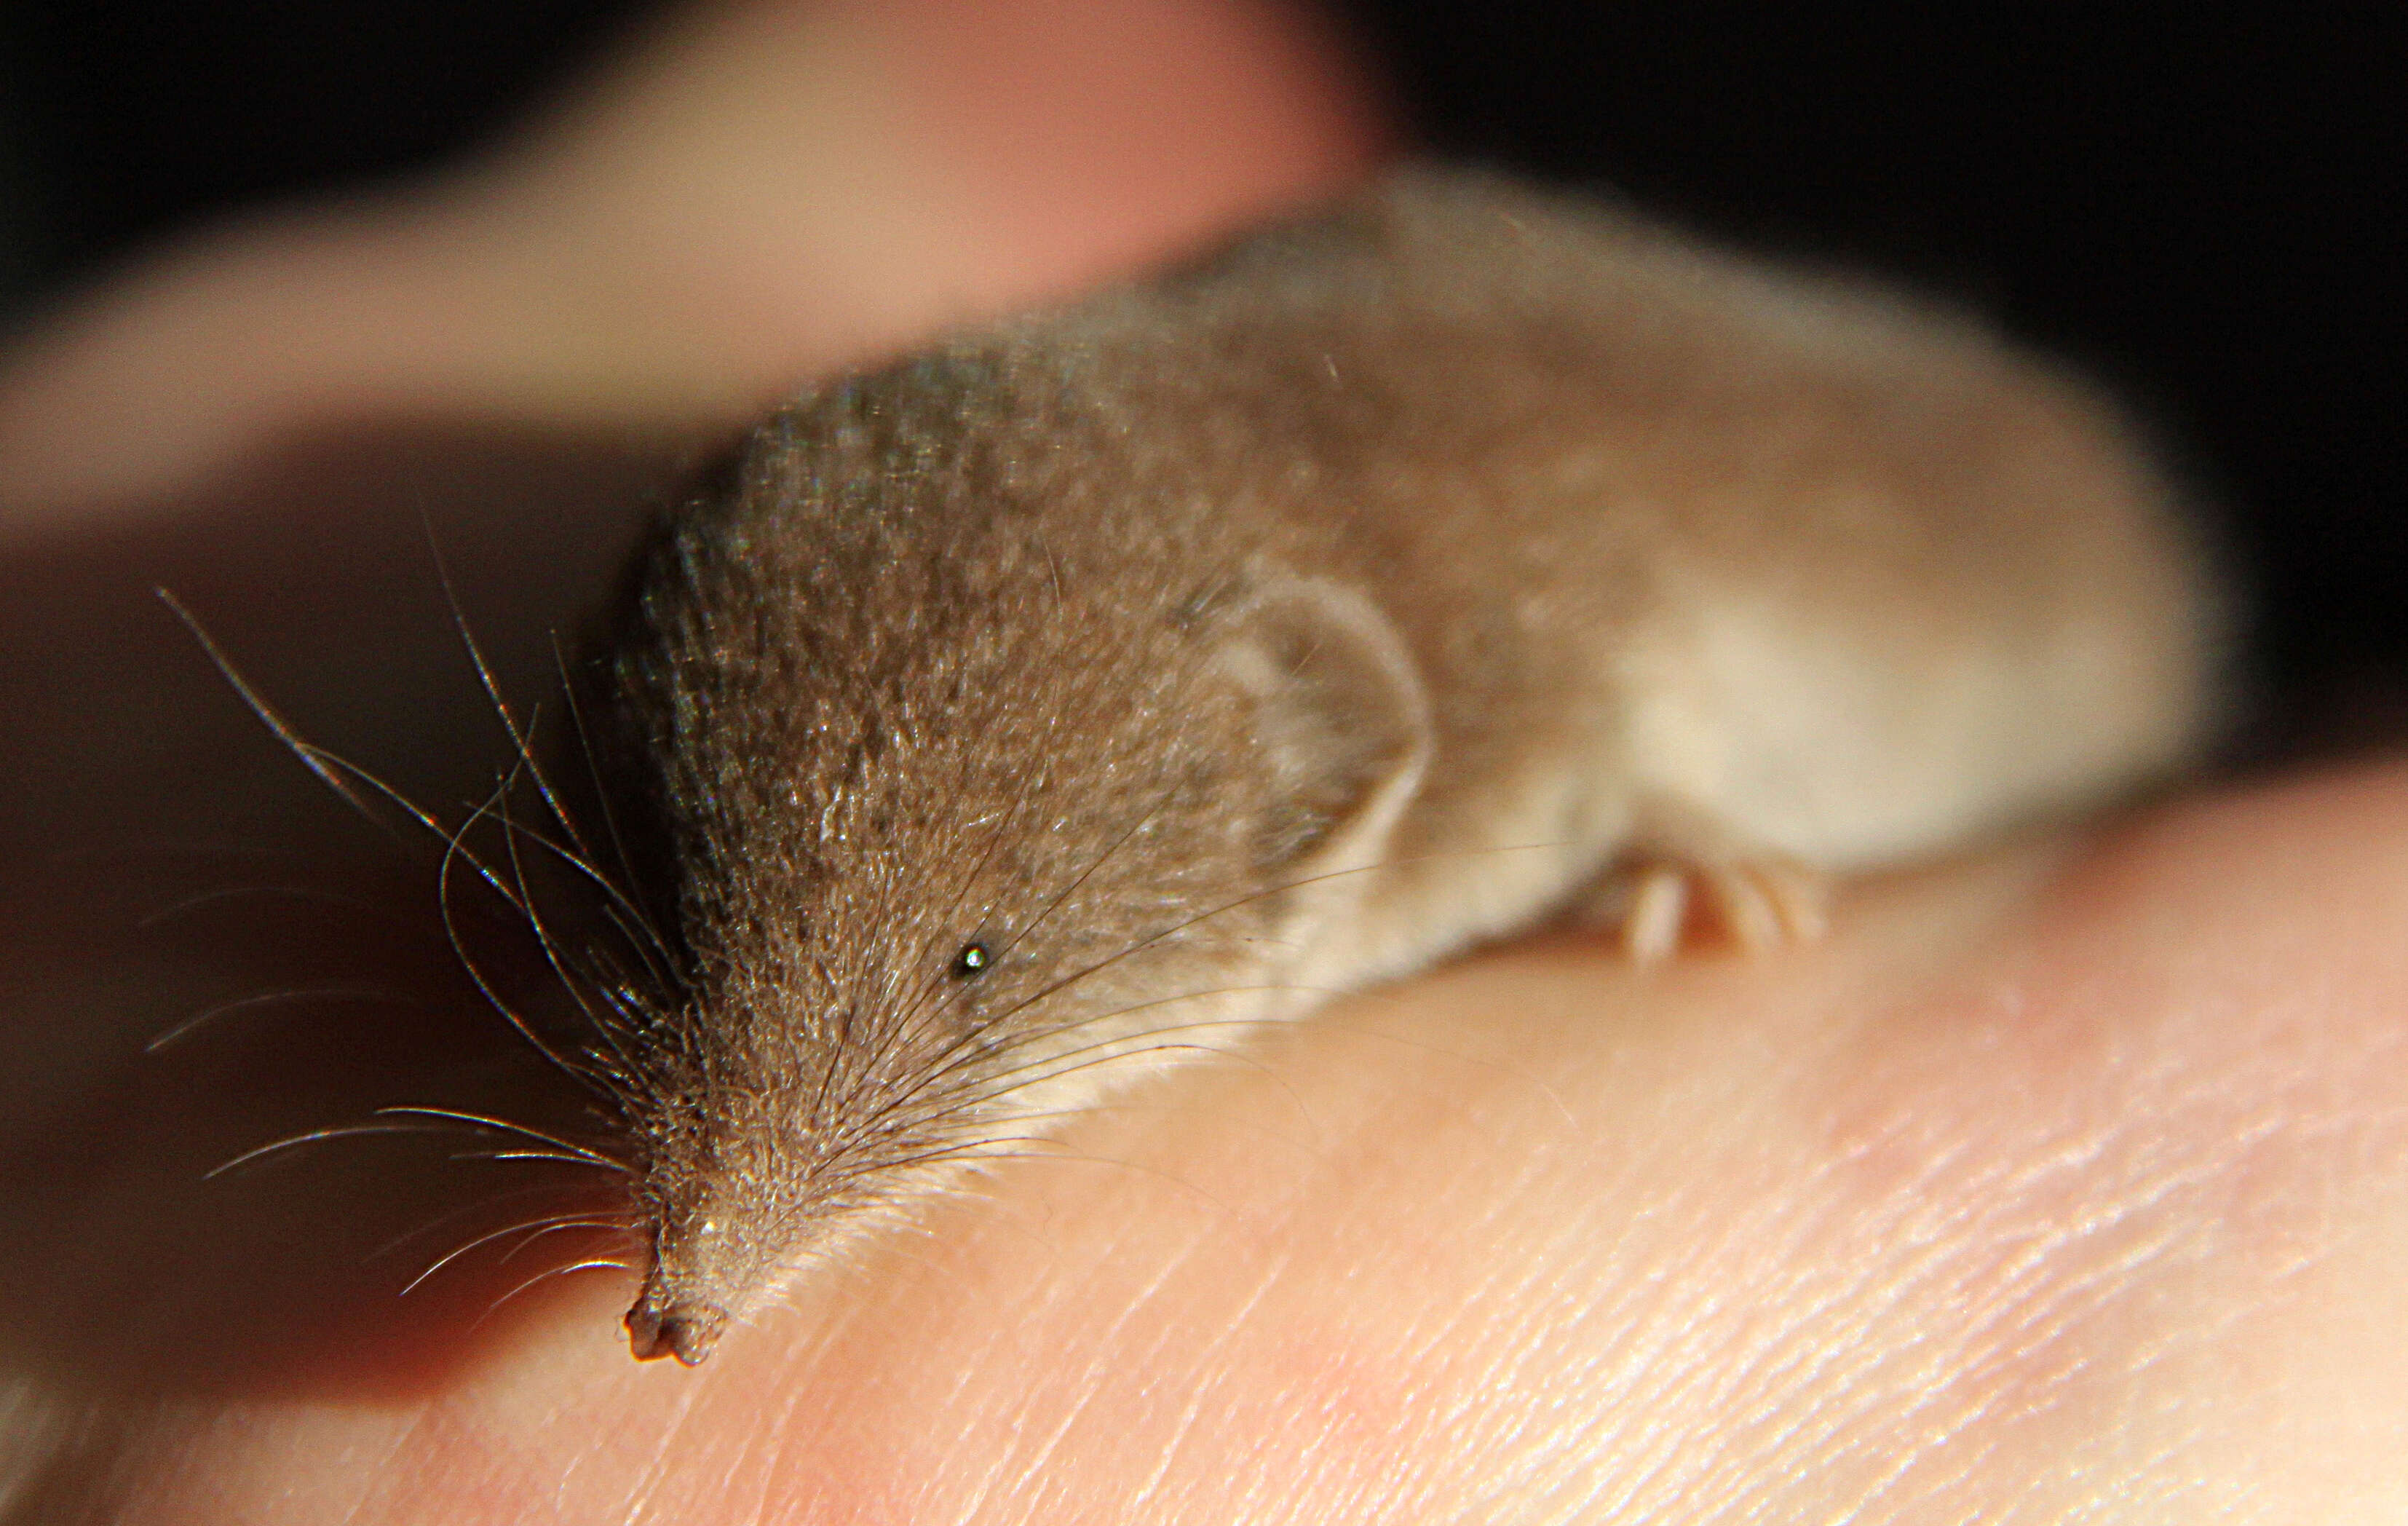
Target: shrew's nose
[{"x": 684, "y": 1330}]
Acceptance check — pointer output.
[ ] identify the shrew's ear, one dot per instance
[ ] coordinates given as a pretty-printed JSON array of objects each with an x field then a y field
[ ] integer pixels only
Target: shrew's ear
[{"x": 1340, "y": 712}]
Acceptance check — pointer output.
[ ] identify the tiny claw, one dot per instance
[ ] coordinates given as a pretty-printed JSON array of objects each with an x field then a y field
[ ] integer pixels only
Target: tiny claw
[
  {"x": 1763, "y": 903},
  {"x": 687, "y": 1332}
]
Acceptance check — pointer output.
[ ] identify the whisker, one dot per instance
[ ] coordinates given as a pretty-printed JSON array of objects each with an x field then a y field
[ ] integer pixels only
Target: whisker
[
  {"x": 1035, "y": 1075},
  {"x": 534, "y": 1155},
  {"x": 445, "y": 1259},
  {"x": 1021, "y": 800},
  {"x": 959, "y": 1150},
  {"x": 476, "y": 974},
  {"x": 493, "y": 688},
  {"x": 1356, "y": 1029},
  {"x": 208, "y": 897},
  {"x": 959, "y": 1059},
  {"x": 1089, "y": 872},
  {"x": 485, "y": 1202},
  {"x": 1039, "y": 1035},
  {"x": 1042, "y": 1148},
  {"x": 336, "y": 772},
  {"x": 637, "y": 932},
  {"x": 623, "y": 1226},
  {"x": 575, "y": 986},
  {"x": 615, "y": 898},
  {"x": 317, "y": 1136},
  {"x": 602, "y": 797},
  {"x": 1163, "y": 934},
  {"x": 311, "y": 757},
  {"x": 418, "y": 813},
  {"x": 483, "y": 1120},
  {"x": 576, "y": 854},
  {"x": 933, "y": 984},
  {"x": 909, "y": 1031},
  {"x": 542, "y": 1277},
  {"x": 622, "y": 1006},
  {"x": 316, "y": 993},
  {"x": 1031, "y": 1077}
]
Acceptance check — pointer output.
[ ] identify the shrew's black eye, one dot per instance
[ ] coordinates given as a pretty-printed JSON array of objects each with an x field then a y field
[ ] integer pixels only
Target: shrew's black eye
[{"x": 972, "y": 961}]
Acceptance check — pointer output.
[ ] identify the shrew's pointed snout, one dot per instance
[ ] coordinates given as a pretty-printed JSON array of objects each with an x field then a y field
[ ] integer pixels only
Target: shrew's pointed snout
[
  {"x": 664, "y": 1328},
  {"x": 707, "y": 1269}
]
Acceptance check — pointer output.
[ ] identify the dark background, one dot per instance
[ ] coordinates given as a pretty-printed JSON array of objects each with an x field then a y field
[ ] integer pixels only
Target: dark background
[{"x": 2198, "y": 203}]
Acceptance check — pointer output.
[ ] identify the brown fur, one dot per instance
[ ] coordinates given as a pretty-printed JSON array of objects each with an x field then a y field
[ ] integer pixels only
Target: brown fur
[{"x": 1426, "y": 556}]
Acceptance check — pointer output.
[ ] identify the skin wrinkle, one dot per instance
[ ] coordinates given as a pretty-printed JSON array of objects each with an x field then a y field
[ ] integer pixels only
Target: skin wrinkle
[
  {"x": 1221, "y": 1339},
  {"x": 1898, "y": 1470},
  {"x": 1616, "y": 1363},
  {"x": 396, "y": 1440},
  {"x": 1804, "y": 1360},
  {"x": 1711, "y": 1379},
  {"x": 1997, "y": 1335},
  {"x": 1723, "y": 1469},
  {"x": 2037, "y": 1253},
  {"x": 1533, "y": 1467},
  {"x": 1314, "y": 1402},
  {"x": 786, "y": 1421},
  {"x": 639, "y": 1495},
  {"x": 474, "y": 1474},
  {"x": 1375, "y": 1399},
  {"x": 1681, "y": 1462},
  {"x": 1502, "y": 1359},
  {"x": 1826, "y": 1428},
  {"x": 1324, "y": 1367},
  {"x": 2045, "y": 1321},
  {"x": 1143, "y": 1298},
  {"x": 1892, "y": 1371},
  {"x": 1524, "y": 1351},
  {"x": 1941, "y": 1358},
  {"x": 1190, "y": 1412}
]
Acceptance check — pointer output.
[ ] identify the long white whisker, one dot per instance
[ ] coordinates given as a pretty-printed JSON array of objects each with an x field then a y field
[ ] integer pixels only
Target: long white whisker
[
  {"x": 316, "y": 1136},
  {"x": 483, "y": 1120},
  {"x": 208, "y": 897},
  {"x": 484, "y": 1203},
  {"x": 315, "y": 993},
  {"x": 617, "y": 902},
  {"x": 488, "y": 1238},
  {"x": 312, "y": 758},
  {"x": 538, "y": 1155},
  {"x": 594, "y": 1265}
]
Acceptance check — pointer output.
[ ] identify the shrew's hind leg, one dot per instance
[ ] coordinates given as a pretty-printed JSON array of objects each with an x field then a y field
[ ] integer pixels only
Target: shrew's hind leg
[
  {"x": 1659, "y": 903},
  {"x": 1685, "y": 879}
]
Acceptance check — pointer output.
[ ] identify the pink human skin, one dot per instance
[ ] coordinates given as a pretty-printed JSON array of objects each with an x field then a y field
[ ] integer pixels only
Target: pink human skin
[{"x": 2061, "y": 1183}]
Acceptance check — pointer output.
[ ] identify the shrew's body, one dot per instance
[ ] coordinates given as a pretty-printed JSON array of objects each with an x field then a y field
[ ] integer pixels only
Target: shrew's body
[{"x": 1156, "y": 665}]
